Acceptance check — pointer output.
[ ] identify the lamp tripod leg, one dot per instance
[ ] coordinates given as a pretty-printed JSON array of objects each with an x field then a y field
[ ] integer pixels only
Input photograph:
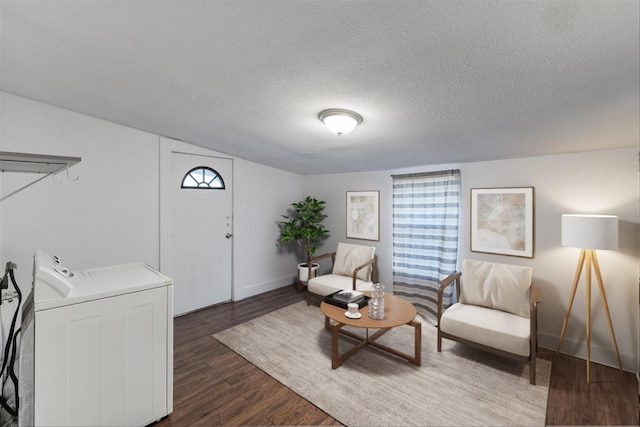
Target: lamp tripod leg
[
  {"x": 573, "y": 294},
  {"x": 596, "y": 268},
  {"x": 588, "y": 314}
]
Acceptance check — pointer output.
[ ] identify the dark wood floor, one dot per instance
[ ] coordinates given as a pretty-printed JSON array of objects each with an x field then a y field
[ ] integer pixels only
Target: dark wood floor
[
  {"x": 215, "y": 386},
  {"x": 610, "y": 398}
]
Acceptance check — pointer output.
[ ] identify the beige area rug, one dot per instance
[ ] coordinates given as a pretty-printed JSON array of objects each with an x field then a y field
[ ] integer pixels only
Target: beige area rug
[{"x": 460, "y": 386}]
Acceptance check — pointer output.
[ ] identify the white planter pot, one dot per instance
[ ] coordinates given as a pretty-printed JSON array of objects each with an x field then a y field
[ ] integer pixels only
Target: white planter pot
[{"x": 303, "y": 272}]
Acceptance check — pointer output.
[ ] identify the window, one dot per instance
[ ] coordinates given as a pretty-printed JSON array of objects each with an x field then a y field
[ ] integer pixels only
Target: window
[{"x": 203, "y": 178}]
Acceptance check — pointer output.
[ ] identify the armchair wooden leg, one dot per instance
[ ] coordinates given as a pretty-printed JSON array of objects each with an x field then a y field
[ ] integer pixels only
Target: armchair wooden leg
[
  {"x": 439, "y": 341},
  {"x": 532, "y": 370}
]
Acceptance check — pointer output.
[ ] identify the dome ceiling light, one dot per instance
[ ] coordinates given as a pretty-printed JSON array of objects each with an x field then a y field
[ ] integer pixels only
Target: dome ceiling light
[{"x": 340, "y": 122}]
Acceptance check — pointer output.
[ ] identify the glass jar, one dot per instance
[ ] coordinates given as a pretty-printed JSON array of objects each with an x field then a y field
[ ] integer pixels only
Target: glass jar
[{"x": 376, "y": 303}]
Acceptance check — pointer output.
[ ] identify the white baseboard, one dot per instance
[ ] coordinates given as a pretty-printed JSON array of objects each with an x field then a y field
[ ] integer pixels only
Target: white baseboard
[
  {"x": 602, "y": 355},
  {"x": 259, "y": 288}
]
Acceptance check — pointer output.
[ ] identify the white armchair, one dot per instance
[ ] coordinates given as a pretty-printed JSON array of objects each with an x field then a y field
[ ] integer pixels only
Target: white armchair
[
  {"x": 353, "y": 268},
  {"x": 496, "y": 311}
]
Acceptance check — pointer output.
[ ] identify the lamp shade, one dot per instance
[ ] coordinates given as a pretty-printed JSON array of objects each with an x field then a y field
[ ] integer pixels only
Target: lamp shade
[{"x": 590, "y": 231}]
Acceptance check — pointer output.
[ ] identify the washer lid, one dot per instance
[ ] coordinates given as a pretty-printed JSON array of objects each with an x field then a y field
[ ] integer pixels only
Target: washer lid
[{"x": 98, "y": 283}]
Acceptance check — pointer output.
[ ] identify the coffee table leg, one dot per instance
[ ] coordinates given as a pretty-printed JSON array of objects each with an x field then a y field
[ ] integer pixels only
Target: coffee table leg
[
  {"x": 337, "y": 359},
  {"x": 418, "y": 342},
  {"x": 416, "y": 359}
]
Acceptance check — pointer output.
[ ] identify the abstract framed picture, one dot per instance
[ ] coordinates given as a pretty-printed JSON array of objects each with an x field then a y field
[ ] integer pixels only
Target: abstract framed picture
[
  {"x": 502, "y": 221},
  {"x": 363, "y": 215}
]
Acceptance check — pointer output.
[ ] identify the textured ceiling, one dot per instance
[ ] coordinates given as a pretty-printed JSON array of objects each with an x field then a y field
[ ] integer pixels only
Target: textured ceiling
[{"x": 436, "y": 81}]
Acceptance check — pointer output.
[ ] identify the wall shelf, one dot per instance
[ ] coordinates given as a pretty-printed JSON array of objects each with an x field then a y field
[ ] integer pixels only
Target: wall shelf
[{"x": 34, "y": 163}]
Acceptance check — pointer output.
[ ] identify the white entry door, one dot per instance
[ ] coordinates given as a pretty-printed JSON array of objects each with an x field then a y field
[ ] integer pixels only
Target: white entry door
[{"x": 201, "y": 231}]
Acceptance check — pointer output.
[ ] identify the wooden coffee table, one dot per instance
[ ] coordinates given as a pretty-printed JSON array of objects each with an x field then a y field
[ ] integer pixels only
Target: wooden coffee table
[{"x": 397, "y": 312}]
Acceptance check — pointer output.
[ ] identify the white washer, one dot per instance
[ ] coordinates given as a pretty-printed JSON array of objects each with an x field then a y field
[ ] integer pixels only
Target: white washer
[{"x": 101, "y": 346}]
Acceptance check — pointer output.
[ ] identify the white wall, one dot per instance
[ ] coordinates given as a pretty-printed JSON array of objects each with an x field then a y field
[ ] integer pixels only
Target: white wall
[
  {"x": 108, "y": 216},
  {"x": 111, "y": 215},
  {"x": 333, "y": 189},
  {"x": 592, "y": 182},
  {"x": 262, "y": 195}
]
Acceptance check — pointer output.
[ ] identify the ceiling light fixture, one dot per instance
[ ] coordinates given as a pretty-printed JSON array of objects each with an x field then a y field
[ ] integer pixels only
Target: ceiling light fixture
[{"x": 340, "y": 122}]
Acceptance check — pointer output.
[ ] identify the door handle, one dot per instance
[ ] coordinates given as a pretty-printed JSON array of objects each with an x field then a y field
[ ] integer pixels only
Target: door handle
[{"x": 228, "y": 235}]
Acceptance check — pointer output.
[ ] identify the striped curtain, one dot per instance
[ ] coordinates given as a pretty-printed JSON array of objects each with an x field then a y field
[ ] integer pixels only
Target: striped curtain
[{"x": 425, "y": 237}]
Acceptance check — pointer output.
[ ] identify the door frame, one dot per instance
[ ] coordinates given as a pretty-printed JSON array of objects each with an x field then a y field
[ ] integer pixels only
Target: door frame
[{"x": 169, "y": 146}]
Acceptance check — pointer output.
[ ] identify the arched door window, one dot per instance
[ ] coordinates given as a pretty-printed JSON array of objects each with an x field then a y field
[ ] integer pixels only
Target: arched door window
[{"x": 203, "y": 178}]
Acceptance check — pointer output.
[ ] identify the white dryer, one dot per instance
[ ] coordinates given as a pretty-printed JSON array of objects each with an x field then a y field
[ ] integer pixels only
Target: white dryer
[{"x": 97, "y": 346}]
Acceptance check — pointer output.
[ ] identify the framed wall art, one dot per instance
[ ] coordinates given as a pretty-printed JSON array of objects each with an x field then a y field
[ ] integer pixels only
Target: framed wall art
[
  {"x": 363, "y": 215},
  {"x": 502, "y": 221}
]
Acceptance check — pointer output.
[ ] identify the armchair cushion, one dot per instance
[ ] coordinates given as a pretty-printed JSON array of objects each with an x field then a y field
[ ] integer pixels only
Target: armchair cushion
[
  {"x": 330, "y": 283},
  {"x": 493, "y": 328},
  {"x": 499, "y": 286},
  {"x": 349, "y": 257}
]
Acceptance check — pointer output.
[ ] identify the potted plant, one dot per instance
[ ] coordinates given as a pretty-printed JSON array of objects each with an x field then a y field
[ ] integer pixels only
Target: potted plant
[{"x": 304, "y": 226}]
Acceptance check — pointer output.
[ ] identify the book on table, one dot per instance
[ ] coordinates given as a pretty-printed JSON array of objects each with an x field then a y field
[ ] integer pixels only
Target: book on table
[
  {"x": 342, "y": 298},
  {"x": 347, "y": 296}
]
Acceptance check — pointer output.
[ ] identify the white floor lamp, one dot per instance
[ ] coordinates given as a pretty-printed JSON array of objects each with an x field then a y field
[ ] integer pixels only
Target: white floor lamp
[{"x": 589, "y": 232}]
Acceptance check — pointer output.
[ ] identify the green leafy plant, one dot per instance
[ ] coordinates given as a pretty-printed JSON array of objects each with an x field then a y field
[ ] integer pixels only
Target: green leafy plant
[{"x": 304, "y": 225}]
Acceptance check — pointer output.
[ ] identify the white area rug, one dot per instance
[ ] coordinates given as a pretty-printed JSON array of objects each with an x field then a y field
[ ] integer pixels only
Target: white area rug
[{"x": 459, "y": 386}]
